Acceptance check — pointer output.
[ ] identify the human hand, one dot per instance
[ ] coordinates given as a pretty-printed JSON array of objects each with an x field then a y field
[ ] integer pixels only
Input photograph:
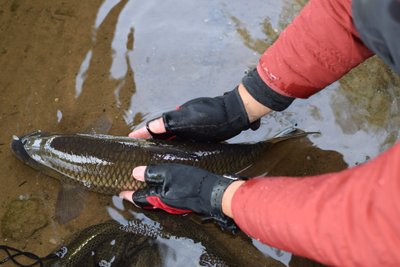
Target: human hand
[
  {"x": 206, "y": 119},
  {"x": 180, "y": 189}
]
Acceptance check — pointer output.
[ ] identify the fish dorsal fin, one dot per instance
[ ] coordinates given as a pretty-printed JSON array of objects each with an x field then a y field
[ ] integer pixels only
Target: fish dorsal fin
[
  {"x": 101, "y": 125},
  {"x": 296, "y": 133}
]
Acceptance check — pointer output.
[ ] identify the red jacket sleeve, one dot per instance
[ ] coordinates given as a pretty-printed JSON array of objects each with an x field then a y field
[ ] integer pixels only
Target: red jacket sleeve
[
  {"x": 318, "y": 48},
  {"x": 350, "y": 218}
]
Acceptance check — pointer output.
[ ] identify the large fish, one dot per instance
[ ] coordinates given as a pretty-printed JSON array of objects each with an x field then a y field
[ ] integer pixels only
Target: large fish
[
  {"x": 103, "y": 163},
  {"x": 155, "y": 239},
  {"x": 135, "y": 239}
]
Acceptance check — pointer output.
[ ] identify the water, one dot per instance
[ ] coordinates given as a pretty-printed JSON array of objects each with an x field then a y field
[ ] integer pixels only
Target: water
[{"x": 66, "y": 64}]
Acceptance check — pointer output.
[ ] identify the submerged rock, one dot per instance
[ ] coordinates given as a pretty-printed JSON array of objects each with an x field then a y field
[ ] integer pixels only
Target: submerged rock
[{"x": 23, "y": 217}]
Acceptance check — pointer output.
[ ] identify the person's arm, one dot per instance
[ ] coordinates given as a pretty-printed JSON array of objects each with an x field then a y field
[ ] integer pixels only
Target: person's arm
[
  {"x": 318, "y": 48},
  {"x": 350, "y": 218}
]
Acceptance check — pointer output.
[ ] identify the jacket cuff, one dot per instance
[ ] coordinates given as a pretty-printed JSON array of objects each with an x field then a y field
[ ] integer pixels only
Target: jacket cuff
[{"x": 263, "y": 93}]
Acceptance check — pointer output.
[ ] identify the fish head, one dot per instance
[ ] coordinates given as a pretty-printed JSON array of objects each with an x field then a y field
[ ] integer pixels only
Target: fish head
[{"x": 23, "y": 146}]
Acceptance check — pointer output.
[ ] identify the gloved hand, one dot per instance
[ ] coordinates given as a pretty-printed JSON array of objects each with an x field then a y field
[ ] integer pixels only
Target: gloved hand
[
  {"x": 207, "y": 119},
  {"x": 180, "y": 189},
  {"x": 218, "y": 118}
]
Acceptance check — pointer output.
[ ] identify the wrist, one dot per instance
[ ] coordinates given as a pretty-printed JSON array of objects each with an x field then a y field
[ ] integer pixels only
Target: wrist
[
  {"x": 254, "y": 109},
  {"x": 228, "y": 196}
]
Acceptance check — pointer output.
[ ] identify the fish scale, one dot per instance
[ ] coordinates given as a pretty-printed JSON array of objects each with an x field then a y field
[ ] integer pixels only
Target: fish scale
[{"x": 104, "y": 163}]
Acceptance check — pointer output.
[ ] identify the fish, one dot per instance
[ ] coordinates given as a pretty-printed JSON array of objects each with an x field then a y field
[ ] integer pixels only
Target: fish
[
  {"x": 140, "y": 238},
  {"x": 105, "y": 244},
  {"x": 104, "y": 163},
  {"x": 139, "y": 242}
]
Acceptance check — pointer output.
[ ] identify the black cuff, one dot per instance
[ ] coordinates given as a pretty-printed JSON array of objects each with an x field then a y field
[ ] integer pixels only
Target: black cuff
[
  {"x": 263, "y": 94},
  {"x": 226, "y": 223}
]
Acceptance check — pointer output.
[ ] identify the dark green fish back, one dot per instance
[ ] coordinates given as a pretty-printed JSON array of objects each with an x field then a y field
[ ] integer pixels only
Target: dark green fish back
[{"x": 104, "y": 163}]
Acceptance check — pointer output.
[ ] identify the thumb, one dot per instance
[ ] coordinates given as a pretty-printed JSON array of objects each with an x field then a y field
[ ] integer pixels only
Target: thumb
[{"x": 139, "y": 198}]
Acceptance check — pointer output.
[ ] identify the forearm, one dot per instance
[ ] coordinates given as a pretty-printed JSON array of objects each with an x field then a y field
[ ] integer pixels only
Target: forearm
[
  {"x": 290, "y": 68},
  {"x": 346, "y": 218}
]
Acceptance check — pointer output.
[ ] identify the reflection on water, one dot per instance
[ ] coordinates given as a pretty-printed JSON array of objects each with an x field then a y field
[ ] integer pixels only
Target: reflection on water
[
  {"x": 277, "y": 254},
  {"x": 377, "y": 108},
  {"x": 103, "y": 11},
  {"x": 270, "y": 28},
  {"x": 122, "y": 43},
  {"x": 175, "y": 247},
  {"x": 81, "y": 76},
  {"x": 65, "y": 64}
]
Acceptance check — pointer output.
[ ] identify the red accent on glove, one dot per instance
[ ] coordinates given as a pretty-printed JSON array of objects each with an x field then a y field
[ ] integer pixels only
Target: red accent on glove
[{"x": 157, "y": 203}]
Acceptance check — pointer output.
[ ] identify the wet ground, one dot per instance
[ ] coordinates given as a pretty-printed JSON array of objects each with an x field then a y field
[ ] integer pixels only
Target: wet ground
[{"x": 64, "y": 64}]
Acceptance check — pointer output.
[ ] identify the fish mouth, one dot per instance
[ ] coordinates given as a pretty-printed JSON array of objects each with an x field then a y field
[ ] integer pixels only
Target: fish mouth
[{"x": 18, "y": 146}]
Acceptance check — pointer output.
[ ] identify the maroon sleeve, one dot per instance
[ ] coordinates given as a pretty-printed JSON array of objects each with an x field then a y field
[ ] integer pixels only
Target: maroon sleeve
[
  {"x": 350, "y": 218},
  {"x": 318, "y": 48}
]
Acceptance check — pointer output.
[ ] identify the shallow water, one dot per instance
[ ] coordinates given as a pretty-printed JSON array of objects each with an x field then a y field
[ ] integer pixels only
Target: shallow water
[{"x": 64, "y": 64}]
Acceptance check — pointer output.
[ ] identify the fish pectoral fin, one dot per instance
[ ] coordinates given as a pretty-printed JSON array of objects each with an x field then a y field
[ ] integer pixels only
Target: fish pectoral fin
[{"x": 70, "y": 203}]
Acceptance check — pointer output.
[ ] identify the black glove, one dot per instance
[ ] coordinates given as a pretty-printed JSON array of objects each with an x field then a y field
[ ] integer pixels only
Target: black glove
[
  {"x": 207, "y": 119},
  {"x": 179, "y": 189}
]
